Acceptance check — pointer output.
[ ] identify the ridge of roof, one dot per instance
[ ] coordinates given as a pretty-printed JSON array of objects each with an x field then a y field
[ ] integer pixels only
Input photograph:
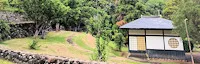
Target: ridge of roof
[
  {"x": 153, "y": 16},
  {"x": 149, "y": 22}
]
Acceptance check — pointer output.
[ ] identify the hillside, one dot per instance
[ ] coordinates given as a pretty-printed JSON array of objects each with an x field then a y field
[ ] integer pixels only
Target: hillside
[
  {"x": 5, "y": 62},
  {"x": 77, "y": 45}
]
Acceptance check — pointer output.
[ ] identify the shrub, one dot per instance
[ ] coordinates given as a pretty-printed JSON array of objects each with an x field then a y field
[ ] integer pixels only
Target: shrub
[
  {"x": 186, "y": 46},
  {"x": 4, "y": 30},
  {"x": 119, "y": 40},
  {"x": 34, "y": 45},
  {"x": 94, "y": 55},
  {"x": 101, "y": 51}
]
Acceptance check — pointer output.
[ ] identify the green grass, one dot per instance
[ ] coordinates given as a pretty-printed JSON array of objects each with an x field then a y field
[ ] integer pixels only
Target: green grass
[
  {"x": 53, "y": 37},
  {"x": 112, "y": 47},
  {"x": 168, "y": 63},
  {"x": 78, "y": 40},
  {"x": 56, "y": 44},
  {"x": 5, "y": 62}
]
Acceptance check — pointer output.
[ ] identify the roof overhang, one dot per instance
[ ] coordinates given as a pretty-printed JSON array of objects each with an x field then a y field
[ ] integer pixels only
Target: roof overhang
[{"x": 155, "y": 23}]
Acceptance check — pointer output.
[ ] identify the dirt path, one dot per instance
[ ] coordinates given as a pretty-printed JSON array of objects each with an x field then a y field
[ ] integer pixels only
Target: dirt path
[
  {"x": 90, "y": 41},
  {"x": 70, "y": 41}
]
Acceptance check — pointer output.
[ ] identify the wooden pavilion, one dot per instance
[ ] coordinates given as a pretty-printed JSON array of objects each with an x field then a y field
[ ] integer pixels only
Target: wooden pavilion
[{"x": 153, "y": 36}]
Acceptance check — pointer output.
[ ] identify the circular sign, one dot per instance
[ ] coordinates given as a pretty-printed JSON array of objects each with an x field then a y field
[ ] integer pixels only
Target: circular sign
[{"x": 173, "y": 42}]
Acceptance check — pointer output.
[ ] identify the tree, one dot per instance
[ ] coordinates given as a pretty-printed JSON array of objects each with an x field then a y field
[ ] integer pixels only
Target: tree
[
  {"x": 122, "y": 10},
  {"x": 101, "y": 50},
  {"x": 80, "y": 11},
  {"x": 2, "y": 5},
  {"x": 131, "y": 9},
  {"x": 188, "y": 10},
  {"x": 155, "y": 7},
  {"x": 100, "y": 27},
  {"x": 119, "y": 39},
  {"x": 43, "y": 12},
  {"x": 170, "y": 7}
]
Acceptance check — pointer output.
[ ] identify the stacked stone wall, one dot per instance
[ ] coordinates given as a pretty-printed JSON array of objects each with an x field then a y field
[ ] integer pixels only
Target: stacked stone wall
[{"x": 29, "y": 58}]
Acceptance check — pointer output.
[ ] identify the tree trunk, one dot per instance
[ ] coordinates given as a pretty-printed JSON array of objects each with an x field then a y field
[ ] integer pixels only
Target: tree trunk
[
  {"x": 79, "y": 27},
  {"x": 36, "y": 33},
  {"x": 38, "y": 30},
  {"x": 75, "y": 29},
  {"x": 57, "y": 27},
  {"x": 70, "y": 28},
  {"x": 43, "y": 34}
]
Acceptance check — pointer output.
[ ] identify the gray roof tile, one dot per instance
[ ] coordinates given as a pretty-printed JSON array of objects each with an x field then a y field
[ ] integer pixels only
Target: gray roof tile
[{"x": 149, "y": 23}]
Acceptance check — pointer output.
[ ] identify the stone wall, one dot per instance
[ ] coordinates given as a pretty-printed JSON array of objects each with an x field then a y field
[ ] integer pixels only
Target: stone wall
[
  {"x": 21, "y": 30},
  {"x": 20, "y": 27},
  {"x": 11, "y": 17},
  {"x": 29, "y": 58}
]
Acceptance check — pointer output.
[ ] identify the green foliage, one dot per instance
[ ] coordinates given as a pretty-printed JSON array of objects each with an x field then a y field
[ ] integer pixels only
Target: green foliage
[
  {"x": 119, "y": 39},
  {"x": 100, "y": 27},
  {"x": 43, "y": 12},
  {"x": 94, "y": 55},
  {"x": 188, "y": 10},
  {"x": 112, "y": 47},
  {"x": 155, "y": 6},
  {"x": 101, "y": 52},
  {"x": 4, "y": 30},
  {"x": 6, "y": 5},
  {"x": 103, "y": 23},
  {"x": 171, "y": 7},
  {"x": 2, "y": 4},
  {"x": 186, "y": 46},
  {"x": 133, "y": 9},
  {"x": 34, "y": 45}
]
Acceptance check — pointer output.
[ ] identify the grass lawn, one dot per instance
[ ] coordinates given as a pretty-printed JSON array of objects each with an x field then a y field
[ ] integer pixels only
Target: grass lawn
[
  {"x": 56, "y": 44},
  {"x": 5, "y": 62}
]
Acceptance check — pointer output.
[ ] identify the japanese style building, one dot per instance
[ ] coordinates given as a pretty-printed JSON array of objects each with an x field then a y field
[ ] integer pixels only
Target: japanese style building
[{"x": 153, "y": 36}]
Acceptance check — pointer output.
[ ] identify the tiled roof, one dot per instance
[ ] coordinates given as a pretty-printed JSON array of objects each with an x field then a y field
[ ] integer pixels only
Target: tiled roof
[{"x": 149, "y": 22}]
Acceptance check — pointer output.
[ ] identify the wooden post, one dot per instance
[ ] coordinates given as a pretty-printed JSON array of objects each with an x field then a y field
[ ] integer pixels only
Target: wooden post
[{"x": 188, "y": 38}]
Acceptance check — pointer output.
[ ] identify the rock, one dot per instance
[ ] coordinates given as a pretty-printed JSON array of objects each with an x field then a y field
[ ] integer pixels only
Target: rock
[{"x": 27, "y": 58}]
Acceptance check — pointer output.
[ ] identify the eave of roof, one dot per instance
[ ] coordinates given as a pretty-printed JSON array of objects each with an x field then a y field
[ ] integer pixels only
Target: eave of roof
[{"x": 149, "y": 23}]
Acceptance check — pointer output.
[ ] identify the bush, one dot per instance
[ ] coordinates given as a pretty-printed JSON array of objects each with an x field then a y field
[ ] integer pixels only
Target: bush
[
  {"x": 34, "y": 45},
  {"x": 100, "y": 53},
  {"x": 186, "y": 46},
  {"x": 94, "y": 55},
  {"x": 119, "y": 40},
  {"x": 4, "y": 30}
]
